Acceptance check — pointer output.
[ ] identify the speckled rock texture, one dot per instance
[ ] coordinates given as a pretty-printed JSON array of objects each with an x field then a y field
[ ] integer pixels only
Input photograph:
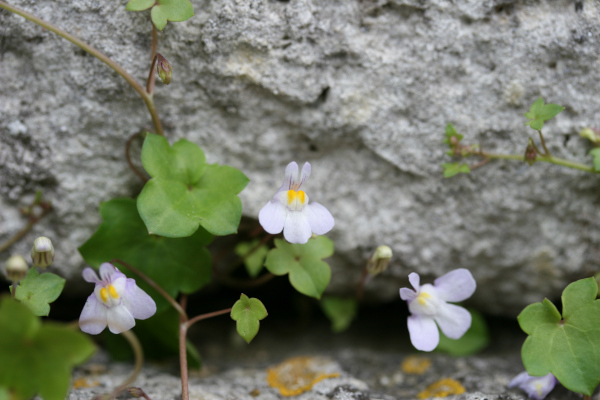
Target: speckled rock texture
[{"x": 360, "y": 88}]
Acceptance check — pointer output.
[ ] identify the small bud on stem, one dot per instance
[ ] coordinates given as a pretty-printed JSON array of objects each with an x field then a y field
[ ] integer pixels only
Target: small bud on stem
[
  {"x": 42, "y": 252},
  {"x": 591, "y": 134},
  {"x": 530, "y": 153},
  {"x": 16, "y": 268},
  {"x": 164, "y": 69},
  {"x": 379, "y": 261}
]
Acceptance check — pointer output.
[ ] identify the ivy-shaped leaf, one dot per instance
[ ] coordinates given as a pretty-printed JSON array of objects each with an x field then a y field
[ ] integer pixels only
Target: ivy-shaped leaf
[
  {"x": 303, "y": 262},
  {"x": 596, "y": 154},
  {"x": 185, "y": 192},
  {"x": 450, "y": 133},
  {"x": 178, "y": 265},
  {"x": 164, "y": 10},
  {"x": 37, "y": 291},
  {"x": 472, "y": 342},
  {"x": 340, "y": 311},
  {"x": 540, "y": 112},
  {"x": 253, "y": 262},
  {"x": 567, "y": 347},
  {"x": 451, "y": 169},
  {"x": 36, "y": 358},
  {"x": 247, "y": 313}
]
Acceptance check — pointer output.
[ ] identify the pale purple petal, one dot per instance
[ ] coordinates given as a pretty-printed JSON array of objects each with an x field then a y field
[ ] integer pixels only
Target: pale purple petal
[
  {"x": 457, "y": 285},
  {"x": 119, "y": 319},
  {"x": 107, "y": 271},
  {"x": 138, "y": 302},
  {"x": 453, "y": 320},
  {"x": 93, "y": 316},
  {"x": 424, "y": 334},
  {"x": 291, "y": 175},
  {"x": 296, "y": 228},
  {"x": 305, "y": 173},
  {"x": 407, "y": 294},
  {"x": 272, "y": 217},
  {"x": 414, "y": 280},
  {"x": 536, "y": 387},
  {"x": 89, "y": 275},
  {"x": 318, "y": 217}
]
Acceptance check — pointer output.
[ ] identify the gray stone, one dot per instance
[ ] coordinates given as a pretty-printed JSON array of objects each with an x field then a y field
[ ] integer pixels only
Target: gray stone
[{"x": 361, "y": 89}]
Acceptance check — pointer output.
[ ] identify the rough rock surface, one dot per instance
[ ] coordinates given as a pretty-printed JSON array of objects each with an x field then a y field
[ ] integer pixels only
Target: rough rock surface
[{"x": 362, "y": 89}]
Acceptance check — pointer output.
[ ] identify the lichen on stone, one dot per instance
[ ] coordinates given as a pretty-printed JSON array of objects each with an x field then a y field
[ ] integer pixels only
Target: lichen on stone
[
  {"x": 298, "y": 375},
  {"x": 442, "y": 388}
]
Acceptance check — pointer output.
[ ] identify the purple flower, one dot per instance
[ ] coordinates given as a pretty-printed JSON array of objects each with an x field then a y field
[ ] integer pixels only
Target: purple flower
[
  {"x": 289, "y": 210},
  {"x": 536, "y": 387},
  {"x": 116, "y": 301},
  {"x": 428, "y": 306}
]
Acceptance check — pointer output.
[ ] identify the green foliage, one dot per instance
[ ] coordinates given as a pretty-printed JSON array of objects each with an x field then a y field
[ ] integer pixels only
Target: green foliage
[
  {"x": 247, "y": 313},
  {"x": 540, "y": 112},
  {"x": 159, "y": 337},
  {"x": 37, "y": 291},
  {"x": 450, "y": 133},
  {"x": 254, "y": 262},
  {"x": 36, "y": 358},
  {"x": 340, "y": 311},
  {"x": 307, "y": 272},
  {"x": 185, "y": 192},
  {"x": 178, "y": 265},
  {"x": 164, "y": 10},
  {"x": 472, "y": 342},
  {"x": 451, "y": 169},
  {"x": 596, "y": 154},
  {"x": 567, "y": 347}
]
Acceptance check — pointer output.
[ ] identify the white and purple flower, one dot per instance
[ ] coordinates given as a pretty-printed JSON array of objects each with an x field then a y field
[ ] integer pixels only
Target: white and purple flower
[
  {"x": 116, "y": 301},
  {"x": 290, "y": 211},
  {"x": 536, "y": 387},
  {"x": 428, "y": 306}
]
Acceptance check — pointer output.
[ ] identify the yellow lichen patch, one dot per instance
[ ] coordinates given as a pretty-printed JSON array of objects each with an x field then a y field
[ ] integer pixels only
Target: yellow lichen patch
[
  {"x": 415, "y": 365},
  {"x": 297, "y": 375},
  {"x": 442, "y": 388},
  {"x": 83, "y": 383}
]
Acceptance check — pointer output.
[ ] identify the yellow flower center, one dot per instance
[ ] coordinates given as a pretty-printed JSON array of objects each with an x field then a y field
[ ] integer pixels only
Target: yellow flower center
[
  {"x": 108, "y": 291},
  {"x": 296, "y": 199},
  {"x": 422, "y": 298}
]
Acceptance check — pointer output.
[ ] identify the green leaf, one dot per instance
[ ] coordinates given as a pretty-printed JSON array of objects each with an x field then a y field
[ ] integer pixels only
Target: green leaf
[
  {"x": 185, "y": 192},
  {"x": 540, "y": 112},
  {"x": 308, "y": 274},
  {"x": 596, "y": 154},
  {"x": 254, "y": 262},
  {"x": 178, "y": 265},
  {"x": 159, "y": 337},
  {"x": 247, "y": 313},
  {"x": 472, "y": 342},
  {"x": 36, "y": 358},
  {"x": 451, "y": 169},
  {"x": 567, "y": 347},
  {"x": 37, "y": 291},
  {"x": 171, "y": 10},
  {"x": 340, "y": 311},
  {"x": 451, "y": 132},
  {"x": 139, "y": 5}
]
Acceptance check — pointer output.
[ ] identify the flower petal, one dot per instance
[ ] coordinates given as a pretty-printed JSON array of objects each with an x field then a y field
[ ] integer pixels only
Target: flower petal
[
  {"x": 519, "y": 379},
  {"x": 291, "y": 175},
  {"x": 305, "y": 173},
  {"x": 272, "y": 217},
  {"x": 407, "y": 294},
  {"x": 296, "y": 228},
  {"x": 319, "y": 218},
  {"x": 536, "y": 387},
  {"x": 93, "y": 316},
  {"x": 138, "y": 302},
  {"x": 453, "y": 320},
  {"x": 457, "y": 285},
  {"x": 415, "y": 280},
  {"x": 89, "y": 275},
  {"x": 106, "y": 272},
  {"x": 119, "y": 319},
  {"x": 424, "y": 334}
]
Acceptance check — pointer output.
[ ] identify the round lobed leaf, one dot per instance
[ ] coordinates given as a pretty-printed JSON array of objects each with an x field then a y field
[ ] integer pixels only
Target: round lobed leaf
[
  {"x": 247, "y": 313},
  {"x": 37, "y": 291}
]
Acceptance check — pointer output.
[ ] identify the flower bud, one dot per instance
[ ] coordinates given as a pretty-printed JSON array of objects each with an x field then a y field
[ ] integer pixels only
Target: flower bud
[
  {"x": 136, "y": 392},
  {"x": 380, "y": 260},
  {"x": 530, "y": 153},
  {"x": 591, "y": 134},
  {"x": 164, "y": 69},
  {"x": 42, "y": 252},
  {"x": 16, "y": 268}
]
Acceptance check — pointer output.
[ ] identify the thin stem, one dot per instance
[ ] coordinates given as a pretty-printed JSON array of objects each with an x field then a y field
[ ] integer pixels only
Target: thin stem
[
  {"x": 152, "y": 73},
  {"x": 14, "y": 290},
  {"x": 138, "y": 354},
  {"x": 548, "y": 159},
  {"x": 183, "y": 364},
  {"x": 46, "y": 208},
  {"x": 91, "y": 50},
  {"x": 154, "y": 285},
  {"x": 206, "y": 316},
  {"x": 544, "y": 144},
  {"x": 128, "y": 157}
]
